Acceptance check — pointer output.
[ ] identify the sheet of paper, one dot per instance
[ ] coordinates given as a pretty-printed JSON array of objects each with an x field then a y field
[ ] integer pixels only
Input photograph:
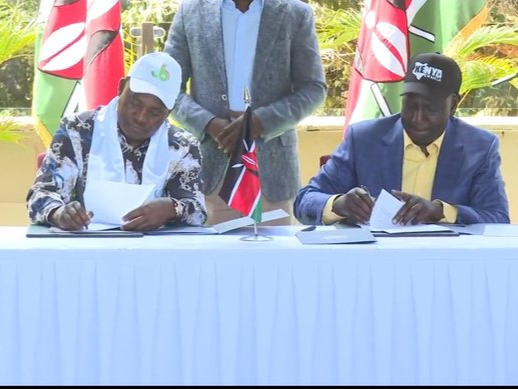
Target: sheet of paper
[
  {"x": 110, "y": 201},
  {"x": 467, "y": 229},
  {"x": 58, "y": 232},
  {"x": 415, "y": 228},
  {"x": 273, "y": 215},
  {"x": 102, "y": 226},
  {"x": 234, "y": 224},
  {"x": 91, "y": 227},
  {"x": 172, "y": 230},
  {"x": 323, "y": 235},
  {"x": 385, "y": 208},
  {"x": 497, "y": 229}
]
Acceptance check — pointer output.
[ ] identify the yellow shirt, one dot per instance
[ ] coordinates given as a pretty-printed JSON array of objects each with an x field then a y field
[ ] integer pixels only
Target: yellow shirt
[{"x": 417, "y": 178}]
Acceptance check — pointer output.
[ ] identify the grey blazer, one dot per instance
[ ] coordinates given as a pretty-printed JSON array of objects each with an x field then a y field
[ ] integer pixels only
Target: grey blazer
[{"x": 287, "y": 85}]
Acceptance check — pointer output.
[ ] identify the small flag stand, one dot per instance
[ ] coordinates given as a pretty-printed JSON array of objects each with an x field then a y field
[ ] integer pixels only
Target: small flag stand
[{"x": 256, "y": 237}]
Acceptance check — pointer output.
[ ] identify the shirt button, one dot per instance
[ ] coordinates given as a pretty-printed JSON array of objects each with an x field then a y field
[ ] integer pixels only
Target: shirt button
[{"x": 224, "y": 97}]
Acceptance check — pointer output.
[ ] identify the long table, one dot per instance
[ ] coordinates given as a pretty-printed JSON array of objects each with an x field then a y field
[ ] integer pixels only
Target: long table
[{"x": 218, "y": 310}]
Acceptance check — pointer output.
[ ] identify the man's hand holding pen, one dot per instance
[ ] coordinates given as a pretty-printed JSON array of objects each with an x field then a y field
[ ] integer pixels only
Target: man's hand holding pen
[
  {"x": 70, "y": 217},
  {"x": 356, "y": 205}
]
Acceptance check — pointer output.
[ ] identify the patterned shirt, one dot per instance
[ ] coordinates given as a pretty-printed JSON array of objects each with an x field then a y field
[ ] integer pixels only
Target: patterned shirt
[{"x": 67, "y": 160}]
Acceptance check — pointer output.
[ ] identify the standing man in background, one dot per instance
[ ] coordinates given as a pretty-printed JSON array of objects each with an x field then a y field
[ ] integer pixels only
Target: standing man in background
[{"x": 267, "y": 46}]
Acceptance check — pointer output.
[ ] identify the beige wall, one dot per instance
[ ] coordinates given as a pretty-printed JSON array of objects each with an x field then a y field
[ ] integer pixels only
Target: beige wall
[
  {"x": 17, "y": 169},
  {"x": 317, "y": 136}
]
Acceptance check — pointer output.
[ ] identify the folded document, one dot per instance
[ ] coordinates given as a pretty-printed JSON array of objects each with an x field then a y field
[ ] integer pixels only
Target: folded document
[
  {"x": 219, "y": 228},
  {"x": 107, "y": 231},
  {"x": 39, "y": 231},
  {"x": 331, "y": 235},
  {"x": 386, "y": 207},
  {"x": 416, "y": 230}
]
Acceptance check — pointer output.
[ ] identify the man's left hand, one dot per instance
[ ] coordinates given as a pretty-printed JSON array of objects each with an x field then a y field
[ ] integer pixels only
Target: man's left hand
[
  {"x": 150, "y": 216},
  {"x": 417, "y": 210},
  {"x": 231, "y": 134}
]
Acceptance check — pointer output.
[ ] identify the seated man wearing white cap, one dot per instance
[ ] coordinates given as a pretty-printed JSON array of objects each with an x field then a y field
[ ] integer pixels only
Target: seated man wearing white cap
[{"x": 131, "y": 141}]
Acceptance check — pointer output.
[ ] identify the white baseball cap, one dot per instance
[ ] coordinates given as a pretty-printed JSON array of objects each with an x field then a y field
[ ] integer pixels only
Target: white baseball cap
[{"x": 157, "y": 74}]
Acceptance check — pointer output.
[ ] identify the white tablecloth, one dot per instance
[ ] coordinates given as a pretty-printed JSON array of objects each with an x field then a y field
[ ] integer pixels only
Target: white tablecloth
[{"x": 217, "y": 310}]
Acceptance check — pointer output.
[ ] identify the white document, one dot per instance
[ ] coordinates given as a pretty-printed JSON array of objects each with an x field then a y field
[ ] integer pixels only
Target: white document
[
  {"x": 219, "y": 228},
  {"x": 326, "y": 235},
  {"x": 110, "y": 201},
  {"x": 385, "y": 208},
  {"x": 91, "y": 227},
  {"x": 102, "y": 226},
  {"x": 498, "y": 229},
  {"x": 182, "y": 229},
  {"x": 396, "y": 229},
  {"x": 248, "y": 221}
]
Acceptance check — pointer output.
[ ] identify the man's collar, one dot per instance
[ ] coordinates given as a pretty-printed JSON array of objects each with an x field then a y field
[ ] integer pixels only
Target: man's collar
[
  {"x": 435, "y": 144},
  {"x": 231, "y": 4}
]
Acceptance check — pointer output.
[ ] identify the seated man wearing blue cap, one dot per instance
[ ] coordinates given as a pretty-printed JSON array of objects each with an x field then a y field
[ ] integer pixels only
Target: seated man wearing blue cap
[
  {"x": 443, "y": 169},
  {"x": 130, "y": 141}
]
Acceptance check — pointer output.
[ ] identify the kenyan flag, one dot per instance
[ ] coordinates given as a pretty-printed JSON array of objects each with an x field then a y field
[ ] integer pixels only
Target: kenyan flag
[
  {"x": 79, "y": 59},
  {"x": 241, "y": 188},
  {"x": 392, "y": 32}
]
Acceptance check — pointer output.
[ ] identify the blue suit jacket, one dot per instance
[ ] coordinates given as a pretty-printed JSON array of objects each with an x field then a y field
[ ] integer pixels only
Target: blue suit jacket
[{"x": 467, "y": 176}]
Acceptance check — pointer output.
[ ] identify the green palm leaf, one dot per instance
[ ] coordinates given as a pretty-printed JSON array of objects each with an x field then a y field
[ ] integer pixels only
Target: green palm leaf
[
  {"x": 482, "y": 56},
  {"x": 8, "y": 130},
  {"x": 337, "y": 30},
  {"x": 17, "y": 34},
  {"x": 484, "y": 37}
]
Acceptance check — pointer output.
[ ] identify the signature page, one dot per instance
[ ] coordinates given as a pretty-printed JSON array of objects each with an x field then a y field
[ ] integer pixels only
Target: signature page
[
  {"x": 385, "y": 208},
  {"x": 110, "y": 201}
]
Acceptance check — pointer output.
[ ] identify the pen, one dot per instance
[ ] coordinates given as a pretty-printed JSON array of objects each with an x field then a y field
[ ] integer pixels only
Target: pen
[
  {"x": 80, "y": 190},
  {"x": 366, "y": 190}
]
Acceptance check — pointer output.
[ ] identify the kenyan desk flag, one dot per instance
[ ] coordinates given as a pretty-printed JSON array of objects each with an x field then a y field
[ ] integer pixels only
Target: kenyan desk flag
[{"x": 241, "y": 188}]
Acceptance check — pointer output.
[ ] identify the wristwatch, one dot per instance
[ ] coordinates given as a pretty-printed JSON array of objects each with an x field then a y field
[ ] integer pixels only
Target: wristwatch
[{"x": 178, "y": 208}]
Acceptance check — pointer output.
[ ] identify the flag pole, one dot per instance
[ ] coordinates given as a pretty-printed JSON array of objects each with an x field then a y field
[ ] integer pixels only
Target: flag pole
[
  {"x": 248, "y": 101},
  {"x": 255, "y": 237}
]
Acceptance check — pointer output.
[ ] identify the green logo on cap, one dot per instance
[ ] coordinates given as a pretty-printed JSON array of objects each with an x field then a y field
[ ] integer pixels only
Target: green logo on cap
[{"x": 163, "y": 74}]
